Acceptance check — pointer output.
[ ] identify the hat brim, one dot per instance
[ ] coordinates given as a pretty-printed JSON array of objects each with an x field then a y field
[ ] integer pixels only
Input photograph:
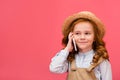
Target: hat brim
[{"x": 87, "y": 15}]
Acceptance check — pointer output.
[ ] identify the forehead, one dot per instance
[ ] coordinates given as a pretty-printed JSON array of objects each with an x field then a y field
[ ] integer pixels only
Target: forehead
[{"x": 83, "y": 26}]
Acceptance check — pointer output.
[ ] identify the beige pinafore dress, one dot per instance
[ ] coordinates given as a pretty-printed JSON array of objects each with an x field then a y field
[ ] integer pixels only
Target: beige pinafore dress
[{"x": 82, "y": 73}]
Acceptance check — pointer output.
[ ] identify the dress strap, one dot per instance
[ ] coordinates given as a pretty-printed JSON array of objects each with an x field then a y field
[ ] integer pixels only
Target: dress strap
[
  {"x": 92, "y": 66},
  {"x": 73, "y": 65}
]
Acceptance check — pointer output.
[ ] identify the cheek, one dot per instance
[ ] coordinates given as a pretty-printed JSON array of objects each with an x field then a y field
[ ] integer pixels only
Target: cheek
[
  {"x": 76, "y": 38},
  {"x": 92, "y": 40}
]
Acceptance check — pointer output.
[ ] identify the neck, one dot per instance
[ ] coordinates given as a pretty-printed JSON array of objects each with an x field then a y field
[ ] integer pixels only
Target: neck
[{"x": 85, "y": 50}]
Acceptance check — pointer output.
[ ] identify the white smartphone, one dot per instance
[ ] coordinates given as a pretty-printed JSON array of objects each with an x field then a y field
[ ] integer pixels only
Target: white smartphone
[{"x": 74, "y": 44}]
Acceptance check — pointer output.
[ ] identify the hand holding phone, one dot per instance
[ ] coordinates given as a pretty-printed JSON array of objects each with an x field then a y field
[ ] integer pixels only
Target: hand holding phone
[{"x": 74, "y": 44}]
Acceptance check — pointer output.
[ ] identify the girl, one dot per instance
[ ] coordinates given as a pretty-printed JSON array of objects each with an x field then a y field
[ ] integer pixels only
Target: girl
[{"x": 83, "y": 40}]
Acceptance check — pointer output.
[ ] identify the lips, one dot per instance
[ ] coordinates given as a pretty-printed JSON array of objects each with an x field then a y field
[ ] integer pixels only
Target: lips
[{"x": 82, "y": 42}]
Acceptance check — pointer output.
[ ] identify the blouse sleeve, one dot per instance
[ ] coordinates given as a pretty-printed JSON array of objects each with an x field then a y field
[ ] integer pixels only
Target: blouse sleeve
[
  {"x": 59, "y": 63},
  {"x": 105, "y": 69}
]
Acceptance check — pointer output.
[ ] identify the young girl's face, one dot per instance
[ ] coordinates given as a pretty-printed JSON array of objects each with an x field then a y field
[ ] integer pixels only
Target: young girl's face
[{"x": 84, "y": 36}]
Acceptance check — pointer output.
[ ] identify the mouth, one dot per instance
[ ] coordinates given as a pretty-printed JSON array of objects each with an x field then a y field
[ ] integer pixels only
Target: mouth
[{"x": 82, "y": 42}]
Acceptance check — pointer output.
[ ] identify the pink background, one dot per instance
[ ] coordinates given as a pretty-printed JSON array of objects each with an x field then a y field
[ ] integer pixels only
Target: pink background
[{"x": 30, "y": 35}]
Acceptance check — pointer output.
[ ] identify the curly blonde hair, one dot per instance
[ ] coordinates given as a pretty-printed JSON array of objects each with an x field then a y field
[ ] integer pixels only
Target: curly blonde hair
[{"x": 98, "y": 44}]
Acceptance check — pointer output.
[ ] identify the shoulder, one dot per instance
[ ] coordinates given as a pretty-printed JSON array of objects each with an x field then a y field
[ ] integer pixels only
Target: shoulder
[{"x": 104, "y": 64}]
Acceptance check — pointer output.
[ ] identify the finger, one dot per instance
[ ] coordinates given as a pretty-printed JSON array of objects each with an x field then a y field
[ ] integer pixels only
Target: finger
[{"x": 70, "y": 35}]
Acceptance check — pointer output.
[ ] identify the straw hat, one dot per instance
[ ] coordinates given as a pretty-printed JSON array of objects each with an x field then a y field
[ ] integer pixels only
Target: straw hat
[{"x": 86, "y": 15}]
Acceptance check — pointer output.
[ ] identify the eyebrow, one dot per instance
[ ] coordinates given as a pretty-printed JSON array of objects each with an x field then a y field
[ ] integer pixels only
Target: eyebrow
[{"x": 84, "y": 31}]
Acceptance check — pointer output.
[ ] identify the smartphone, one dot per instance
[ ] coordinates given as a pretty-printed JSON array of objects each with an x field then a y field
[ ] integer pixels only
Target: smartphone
[{"x": 74, "y": 44}]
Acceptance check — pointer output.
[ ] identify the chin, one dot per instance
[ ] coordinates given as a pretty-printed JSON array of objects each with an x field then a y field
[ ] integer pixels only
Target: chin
[{"x": 82, "y": 48}]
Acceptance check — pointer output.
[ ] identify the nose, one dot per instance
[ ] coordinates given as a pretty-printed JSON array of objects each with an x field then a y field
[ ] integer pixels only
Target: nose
[{"x": 82, "y": 36}]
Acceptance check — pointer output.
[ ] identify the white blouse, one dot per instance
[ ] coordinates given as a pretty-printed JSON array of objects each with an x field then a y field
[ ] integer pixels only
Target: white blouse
[{"x": 59, "y": 64}]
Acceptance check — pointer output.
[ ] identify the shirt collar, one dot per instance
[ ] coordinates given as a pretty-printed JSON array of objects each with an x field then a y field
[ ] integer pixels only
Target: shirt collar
[{"x": 87, "y": 53}]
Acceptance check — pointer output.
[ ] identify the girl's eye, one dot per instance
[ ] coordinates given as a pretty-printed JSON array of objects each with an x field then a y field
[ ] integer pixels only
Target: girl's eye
[
  {"x": 87, "y": 33},
  {"x": 77, "y": 33}
]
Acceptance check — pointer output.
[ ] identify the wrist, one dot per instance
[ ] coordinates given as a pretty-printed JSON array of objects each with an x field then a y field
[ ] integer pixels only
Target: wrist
[{"x": 67, "y": 49}]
